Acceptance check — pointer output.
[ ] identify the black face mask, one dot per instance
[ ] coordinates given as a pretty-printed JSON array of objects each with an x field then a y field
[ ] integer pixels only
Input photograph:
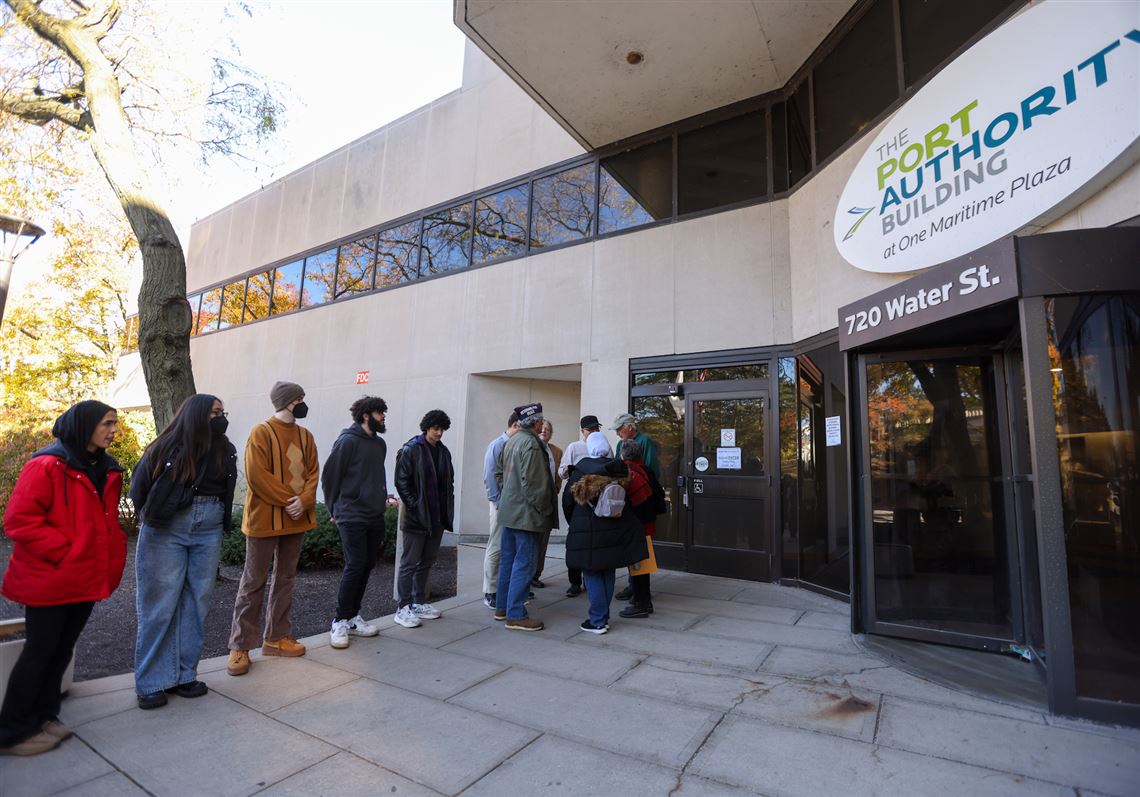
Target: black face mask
[
  {"x": 219, "y": 425},
  {"x": 300, "y": 410}
]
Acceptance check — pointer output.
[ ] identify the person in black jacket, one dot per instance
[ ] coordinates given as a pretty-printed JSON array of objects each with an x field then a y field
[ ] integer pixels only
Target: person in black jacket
[
  {"x": 597, "y": 545},
  {"x": 356, "y": 492},
  {"x": 425, "y": 481},
  {"x": 176, "y": 559}
]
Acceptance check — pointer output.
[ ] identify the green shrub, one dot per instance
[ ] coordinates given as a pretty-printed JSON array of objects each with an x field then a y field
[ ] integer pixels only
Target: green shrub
[
  {"x": 16, "y": 447},
  {"x": 321, "y": 548}
]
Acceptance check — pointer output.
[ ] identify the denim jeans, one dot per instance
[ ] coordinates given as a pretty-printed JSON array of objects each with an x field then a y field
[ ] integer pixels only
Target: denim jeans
[
  {"x": 600, "y": 589},
  {"x": 175, "y": 569},
  {"x": 516, "y": 569}
]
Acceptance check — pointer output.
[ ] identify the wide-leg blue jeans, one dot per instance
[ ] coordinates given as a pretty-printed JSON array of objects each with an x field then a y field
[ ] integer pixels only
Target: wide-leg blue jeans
[
  {"x": 516, "y": 569},
  {"x": 175, "y": 569}
]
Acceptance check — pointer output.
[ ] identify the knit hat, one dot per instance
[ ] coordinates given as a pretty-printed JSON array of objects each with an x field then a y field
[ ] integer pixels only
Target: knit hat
[
  {"x": 597, "y": 445},
  {"x": 529, "y": 412},
  {"x": 285, "y": 392}
]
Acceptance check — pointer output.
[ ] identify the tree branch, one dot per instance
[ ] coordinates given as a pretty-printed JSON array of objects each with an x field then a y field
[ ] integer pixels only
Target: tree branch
[{"x": 41, "y": 110}]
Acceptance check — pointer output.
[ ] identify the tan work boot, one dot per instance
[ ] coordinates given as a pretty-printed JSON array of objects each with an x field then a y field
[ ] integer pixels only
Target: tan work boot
[
  {"x": 525, "y": 624},
  {"x": 40, "y": 743},
  {"x": 57, "y": 729},
  {"x": 238, "y": 662},
  {"x": 285, "y": 646}
]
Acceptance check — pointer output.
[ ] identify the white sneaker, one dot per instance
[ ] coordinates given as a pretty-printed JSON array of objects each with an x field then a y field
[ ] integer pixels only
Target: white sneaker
[
  {"x": 425, "y": 611},
  {"x": 407, "y": 617},
  {"x": 338, "y": 636},
  {"x": 357, "y": 627}
]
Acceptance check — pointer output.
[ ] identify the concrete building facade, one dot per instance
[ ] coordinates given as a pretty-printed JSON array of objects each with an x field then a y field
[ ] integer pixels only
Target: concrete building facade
[{"x": 437, "y": 262}]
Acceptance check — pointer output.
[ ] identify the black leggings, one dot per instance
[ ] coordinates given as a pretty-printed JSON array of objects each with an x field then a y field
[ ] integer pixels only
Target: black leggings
[
  {"x": 33, "y": 695},
  {"x": 640, "y": 584}
]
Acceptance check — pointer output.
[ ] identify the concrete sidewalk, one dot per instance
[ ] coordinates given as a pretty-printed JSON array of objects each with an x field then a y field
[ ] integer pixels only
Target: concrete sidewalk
[{"x": 729, "y": 688}]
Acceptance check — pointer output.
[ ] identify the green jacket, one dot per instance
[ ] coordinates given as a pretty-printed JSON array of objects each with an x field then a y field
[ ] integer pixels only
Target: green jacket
[{"x": 527, "y": 501}]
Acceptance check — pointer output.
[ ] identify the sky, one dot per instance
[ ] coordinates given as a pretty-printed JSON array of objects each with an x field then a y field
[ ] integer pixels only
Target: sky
[
  {"x": 347, "y": 68},
  {"x": 344, "y": 67}
]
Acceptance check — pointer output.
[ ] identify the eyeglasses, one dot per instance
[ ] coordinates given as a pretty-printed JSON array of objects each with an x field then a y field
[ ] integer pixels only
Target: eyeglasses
[{"x": 219, "y": 414}]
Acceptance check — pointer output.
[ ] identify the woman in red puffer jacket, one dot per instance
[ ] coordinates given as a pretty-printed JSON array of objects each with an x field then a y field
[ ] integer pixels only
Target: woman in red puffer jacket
[{"x": 69, "y": 551}]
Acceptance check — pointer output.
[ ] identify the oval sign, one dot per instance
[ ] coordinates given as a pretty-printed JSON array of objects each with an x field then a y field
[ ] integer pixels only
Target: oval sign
[{"x": 1045, "y": 106}]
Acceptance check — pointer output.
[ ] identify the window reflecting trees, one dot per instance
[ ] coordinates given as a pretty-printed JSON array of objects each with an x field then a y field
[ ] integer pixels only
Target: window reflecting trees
[
  {"x": 500, "y": 224},
  {"x": 446, "y": 240},
  {"x": 354, "y": 267},
  {"x": 398, "y": 254},
  {"x": 287, "y": 288},
  {"x": 563, "y": 207}
]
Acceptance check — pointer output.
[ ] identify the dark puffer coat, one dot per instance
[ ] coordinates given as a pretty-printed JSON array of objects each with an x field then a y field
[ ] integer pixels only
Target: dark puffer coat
[{"x": 599, "y": 543}]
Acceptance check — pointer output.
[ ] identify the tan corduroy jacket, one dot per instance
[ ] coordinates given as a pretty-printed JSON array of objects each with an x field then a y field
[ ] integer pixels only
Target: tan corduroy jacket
[{"x": 280, "y": 462}]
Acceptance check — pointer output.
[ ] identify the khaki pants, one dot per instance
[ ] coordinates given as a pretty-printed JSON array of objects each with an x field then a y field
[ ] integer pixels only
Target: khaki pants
[
  {"x": 491, "y": 557},
  {"x": 259, "y": 554}
]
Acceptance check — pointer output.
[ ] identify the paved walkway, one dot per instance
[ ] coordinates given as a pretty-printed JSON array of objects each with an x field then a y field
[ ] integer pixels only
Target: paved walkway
[{"x": 730, "y": 688}]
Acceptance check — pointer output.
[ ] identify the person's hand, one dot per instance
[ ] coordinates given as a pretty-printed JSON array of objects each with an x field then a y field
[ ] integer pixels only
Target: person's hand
[
  {"x": 393, "y": 500},
  {"x": 295, "y": 508}
]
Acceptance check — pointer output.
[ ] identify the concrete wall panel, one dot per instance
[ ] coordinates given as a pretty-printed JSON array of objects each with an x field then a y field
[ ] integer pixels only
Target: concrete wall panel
[
  {"x": 363, "y": 177},
  {"x": 634, "y": 295},
  {"x": 325, "y": 220}
]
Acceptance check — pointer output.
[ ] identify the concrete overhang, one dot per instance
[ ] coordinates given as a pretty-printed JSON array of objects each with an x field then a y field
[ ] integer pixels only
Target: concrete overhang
[{"x": 610, "y": 70}]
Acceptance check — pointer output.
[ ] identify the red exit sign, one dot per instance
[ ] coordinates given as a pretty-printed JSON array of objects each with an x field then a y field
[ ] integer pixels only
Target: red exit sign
[{"x": 362, "y": 377}]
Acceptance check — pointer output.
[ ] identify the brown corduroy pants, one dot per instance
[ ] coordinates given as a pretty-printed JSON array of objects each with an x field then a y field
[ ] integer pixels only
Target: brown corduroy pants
[{"x": 259, "y": 555}]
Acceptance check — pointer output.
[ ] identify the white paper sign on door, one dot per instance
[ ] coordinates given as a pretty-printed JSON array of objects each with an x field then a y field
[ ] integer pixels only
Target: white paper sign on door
[
  {"x": 728, "y": 459},
  {"x": 831, "y": 427},
  {"x": 728, "y": 437}
]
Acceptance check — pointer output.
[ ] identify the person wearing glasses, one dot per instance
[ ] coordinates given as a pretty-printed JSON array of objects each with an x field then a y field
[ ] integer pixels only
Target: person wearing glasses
[{"x": 183, "y": 490}]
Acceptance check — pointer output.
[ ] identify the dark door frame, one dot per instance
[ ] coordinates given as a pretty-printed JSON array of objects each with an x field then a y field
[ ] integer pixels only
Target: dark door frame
[
  {"x": 695, "y": 559},
  {"x": 864, "y": 522}
]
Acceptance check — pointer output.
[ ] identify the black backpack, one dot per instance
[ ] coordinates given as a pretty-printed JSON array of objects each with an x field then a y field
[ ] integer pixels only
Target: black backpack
[{"x": 658, "y": 503}]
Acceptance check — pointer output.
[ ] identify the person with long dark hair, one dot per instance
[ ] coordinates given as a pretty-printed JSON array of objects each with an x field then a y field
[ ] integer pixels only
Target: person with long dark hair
[
  {"x": 68, "y": 552},
  {"x": 183, "y": 489}
]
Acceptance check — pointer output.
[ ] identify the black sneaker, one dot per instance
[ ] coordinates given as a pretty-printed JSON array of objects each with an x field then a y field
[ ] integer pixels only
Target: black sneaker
[
  {"x": 151, "y": 700},
  {"x": 489, "y": 599},
  {"x": 188, "y": 689},
  {"x": 574, "y": 590},
  {"x": 624, "y": 595},
  {"x": 633, "y": 610},
  {"x": 590, "y": 628},
  {"x": 537, "y": 583}
]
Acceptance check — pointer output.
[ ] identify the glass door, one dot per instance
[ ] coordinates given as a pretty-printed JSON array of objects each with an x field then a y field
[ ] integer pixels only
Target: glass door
[
  {"x": 939, "y": 545},
  {"x": 728, "y": 484}
]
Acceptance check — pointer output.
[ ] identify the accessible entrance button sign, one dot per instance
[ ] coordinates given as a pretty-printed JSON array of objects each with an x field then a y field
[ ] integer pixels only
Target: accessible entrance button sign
[{"x": 968, "y": 283}]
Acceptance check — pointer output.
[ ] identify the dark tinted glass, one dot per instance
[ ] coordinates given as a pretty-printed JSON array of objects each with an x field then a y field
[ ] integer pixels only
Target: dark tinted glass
[
  {"x": 320, "y": 278},
  {"x": 722, "y": 164},
  {"x": 723, "y": 374},
  {"x": 798, "y": 112},
  {"x": 636, "y": 187},
  {"x": 563, "y": 207},
  {"x": 789, "y": 467},
  {"x": 1095, "y": 359},
  {"x": 195, "y": 302},
  {"x": 933, "y": 29},
  {"x": 210, "y": 311},
  {"x": 663, "y": 419},
  {"x": 257, "y": 292},
  {"x": 446, "y": 240},
  {"x": 779, "y": 147},
  {"x": 233, "y": 299},
  {"x": 287, "y": 288},
  {"x": 398, "y": 254},
  {"x": 354, "y": 266},
  {"x": 937, "y": 505},
  {"x": 500, "y": 224},
  {"x": 856, "y": 80}
]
